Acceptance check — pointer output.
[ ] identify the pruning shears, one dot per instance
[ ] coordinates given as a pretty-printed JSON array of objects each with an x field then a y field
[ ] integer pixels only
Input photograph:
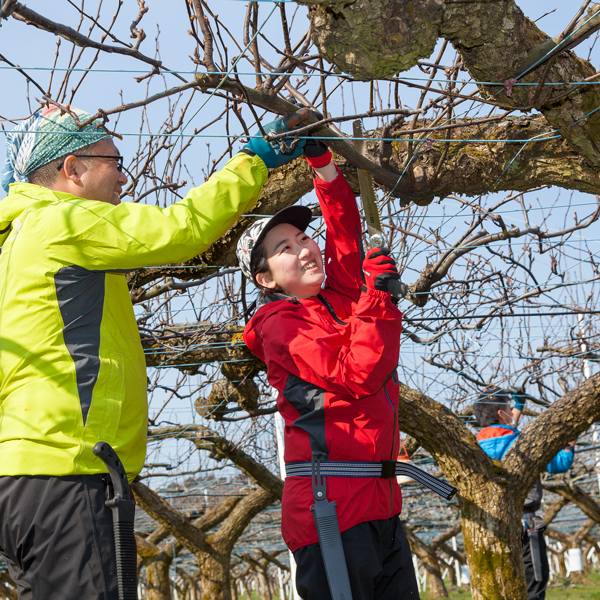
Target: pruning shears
[{"x": 369, "y": 201}]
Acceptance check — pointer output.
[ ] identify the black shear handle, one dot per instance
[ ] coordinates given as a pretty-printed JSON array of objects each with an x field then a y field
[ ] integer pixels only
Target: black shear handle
[
  {"x": 122, "y": 505},
  {"x": 397, "y": 288},
  {"x": 116, "y": 470}
]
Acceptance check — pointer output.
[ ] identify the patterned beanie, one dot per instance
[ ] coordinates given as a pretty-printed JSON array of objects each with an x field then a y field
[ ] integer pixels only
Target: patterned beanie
[
  {"x": 43, "y": 137},
  {"x": 299, "y": 216}
]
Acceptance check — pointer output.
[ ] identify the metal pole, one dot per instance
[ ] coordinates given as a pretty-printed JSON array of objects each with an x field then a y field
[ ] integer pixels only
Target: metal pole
[
  {"x": 281, "y": 590},
  {"x": 175, "y": 595},
  {"x": 587, "y": 371},
  {"x": 456, "y": 563},
  {"x": 595, "y": 440},
  {"x": 279, "y": 429}
]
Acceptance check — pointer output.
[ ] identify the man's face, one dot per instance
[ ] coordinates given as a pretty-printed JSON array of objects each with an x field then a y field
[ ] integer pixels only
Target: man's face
[
  {"x": 295, "y": 262},
  {"x": 100, "y": 179}
]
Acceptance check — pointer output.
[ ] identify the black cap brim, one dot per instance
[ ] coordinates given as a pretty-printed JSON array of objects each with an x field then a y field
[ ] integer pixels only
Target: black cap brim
[{"x": 299, "y": 216}]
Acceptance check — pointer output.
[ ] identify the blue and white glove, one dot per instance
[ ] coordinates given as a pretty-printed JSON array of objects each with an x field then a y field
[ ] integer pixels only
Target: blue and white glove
[
  {"x": 519, "y": 401},
  {"x": 272, "y": 153}
]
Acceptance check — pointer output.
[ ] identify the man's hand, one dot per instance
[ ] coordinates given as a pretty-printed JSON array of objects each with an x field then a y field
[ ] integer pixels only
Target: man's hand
[
  {"x": 379, "y": 268},
  {"x": 273, "y": 153}
]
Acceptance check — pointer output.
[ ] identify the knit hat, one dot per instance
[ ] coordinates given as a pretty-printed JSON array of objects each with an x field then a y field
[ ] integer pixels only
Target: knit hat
[
  {"x": 299, "y": 216},
  {"x": 43, "y": 137}
]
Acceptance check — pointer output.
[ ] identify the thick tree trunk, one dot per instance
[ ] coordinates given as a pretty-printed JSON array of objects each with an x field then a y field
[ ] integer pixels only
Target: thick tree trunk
[
  {"x": 428, "y": 557},
  {"x": 248, "y": 588},
  {"x": 157, "y": 578},
  {"x": 437, "y": 589},
  {"x": 490, "y": 500},
  {"x": 491, "y": 533},
  {"x": 215, "y": 577},
  {"x": 265, "y": 586},
  {"x": 213, "y": 552},
  {"x": 5, "y": 591},
  {"x": 492, "y": 494}
]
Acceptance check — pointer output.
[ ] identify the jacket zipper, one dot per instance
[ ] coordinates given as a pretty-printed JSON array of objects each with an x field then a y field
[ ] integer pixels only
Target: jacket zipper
[
  {"x": 392, "y": 457},
  {"x": 330, "y": 309}
]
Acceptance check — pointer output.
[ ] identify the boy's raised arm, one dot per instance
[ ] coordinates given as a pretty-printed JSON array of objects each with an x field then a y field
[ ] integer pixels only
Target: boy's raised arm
[{"x": 343, "y": 247}]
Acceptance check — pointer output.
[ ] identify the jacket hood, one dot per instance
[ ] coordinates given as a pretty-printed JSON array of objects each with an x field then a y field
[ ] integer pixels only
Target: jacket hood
[
  {"x": 20, "y": 197},
  {"x": 267, "y": 306}
]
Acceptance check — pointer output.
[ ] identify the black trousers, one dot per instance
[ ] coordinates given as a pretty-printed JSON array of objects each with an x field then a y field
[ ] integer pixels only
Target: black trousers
[
  {"x": 379, "y": 563},
  {"x": 536, "y": 590},
  {"x": 57, "y": 536}
]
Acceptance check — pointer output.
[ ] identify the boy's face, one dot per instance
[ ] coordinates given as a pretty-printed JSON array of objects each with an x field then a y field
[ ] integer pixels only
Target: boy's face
[{"x": 295, "y": 262}]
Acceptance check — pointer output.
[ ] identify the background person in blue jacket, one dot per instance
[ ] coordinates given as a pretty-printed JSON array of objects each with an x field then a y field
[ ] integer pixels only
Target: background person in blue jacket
[{"x": 499, "y": 432}]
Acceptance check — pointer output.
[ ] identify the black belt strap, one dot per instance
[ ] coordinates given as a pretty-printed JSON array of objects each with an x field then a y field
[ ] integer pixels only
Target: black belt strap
[
  {"x": 385, "y": 469},
  {"x": 328, "y": 530}
]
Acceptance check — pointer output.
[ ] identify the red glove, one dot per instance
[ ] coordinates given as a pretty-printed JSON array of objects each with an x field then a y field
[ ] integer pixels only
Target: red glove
[{"x": 379, "y": 268}]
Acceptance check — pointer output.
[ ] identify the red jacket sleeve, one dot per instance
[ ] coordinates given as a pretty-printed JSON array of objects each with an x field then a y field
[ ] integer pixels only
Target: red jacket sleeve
[
  {"x": 355, "y": 364},
  {"x": 343, "y": 247}
]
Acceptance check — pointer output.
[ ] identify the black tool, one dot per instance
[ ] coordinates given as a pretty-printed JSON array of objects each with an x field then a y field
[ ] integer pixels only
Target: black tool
[
  {"x": 534, "y": 544},
  {"x": 122, "y": 504},
  {"x": 328, "y": 531},
  {"x": 397, "y": 288}
]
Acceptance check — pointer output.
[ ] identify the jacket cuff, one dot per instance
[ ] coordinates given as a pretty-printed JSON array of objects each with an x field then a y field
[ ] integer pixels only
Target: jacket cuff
[
  {"x": 376, "y": 294},
  {"x": 256, "y": 159},
  {"x": 319, "y": 161}
]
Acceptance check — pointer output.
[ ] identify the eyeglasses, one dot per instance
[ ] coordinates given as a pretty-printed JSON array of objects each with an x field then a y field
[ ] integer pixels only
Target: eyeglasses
[{"x": 118, "y": 158}]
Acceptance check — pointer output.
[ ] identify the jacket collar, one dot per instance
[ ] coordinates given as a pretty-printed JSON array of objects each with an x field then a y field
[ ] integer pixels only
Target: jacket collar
[
  {"x": 262, "y": 300},
  {"x": 506, "y": 427},
  {"x": 21, "y": 196}
]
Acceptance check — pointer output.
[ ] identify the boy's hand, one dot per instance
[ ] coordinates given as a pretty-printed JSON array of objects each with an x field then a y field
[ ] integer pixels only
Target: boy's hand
[
  {"x": 317, "y": 154},
  {"x": 272, "y": 153},
  {"x": 379, "y": 268}
]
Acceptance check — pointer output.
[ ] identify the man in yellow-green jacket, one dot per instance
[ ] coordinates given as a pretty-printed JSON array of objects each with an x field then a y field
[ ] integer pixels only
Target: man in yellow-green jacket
[{"x": 72, "y": 370}]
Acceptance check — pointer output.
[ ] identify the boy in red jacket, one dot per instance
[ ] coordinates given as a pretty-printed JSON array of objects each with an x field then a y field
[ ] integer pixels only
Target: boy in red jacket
[{"x": 331, "y": 339}]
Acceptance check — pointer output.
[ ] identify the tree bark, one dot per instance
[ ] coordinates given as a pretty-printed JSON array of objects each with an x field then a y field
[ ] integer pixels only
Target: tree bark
[
  {"x": 213, "y": 553},
  {"x": 157, "y": 577},
  {"x": 496, "y": 42},
  {"x": 489, "y": 499},
  {"x": 9, "y": 593},
  {"x": 492, "y": 538},
  {"x": 573, "y": 493},
  {"x": 157, "y": 561},
  {"x": 428, "y": 557},
  {"x": 492, "y": 494},
  {"x": 215, "y": 577}
]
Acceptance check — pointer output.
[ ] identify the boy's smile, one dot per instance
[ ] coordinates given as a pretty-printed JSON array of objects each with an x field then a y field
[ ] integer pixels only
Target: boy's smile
[{"x": 295, "y": 262}]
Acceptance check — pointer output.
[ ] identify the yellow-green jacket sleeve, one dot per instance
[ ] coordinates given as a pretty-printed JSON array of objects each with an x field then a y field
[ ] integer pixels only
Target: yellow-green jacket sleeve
[{"x": 97, "y": 235}]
